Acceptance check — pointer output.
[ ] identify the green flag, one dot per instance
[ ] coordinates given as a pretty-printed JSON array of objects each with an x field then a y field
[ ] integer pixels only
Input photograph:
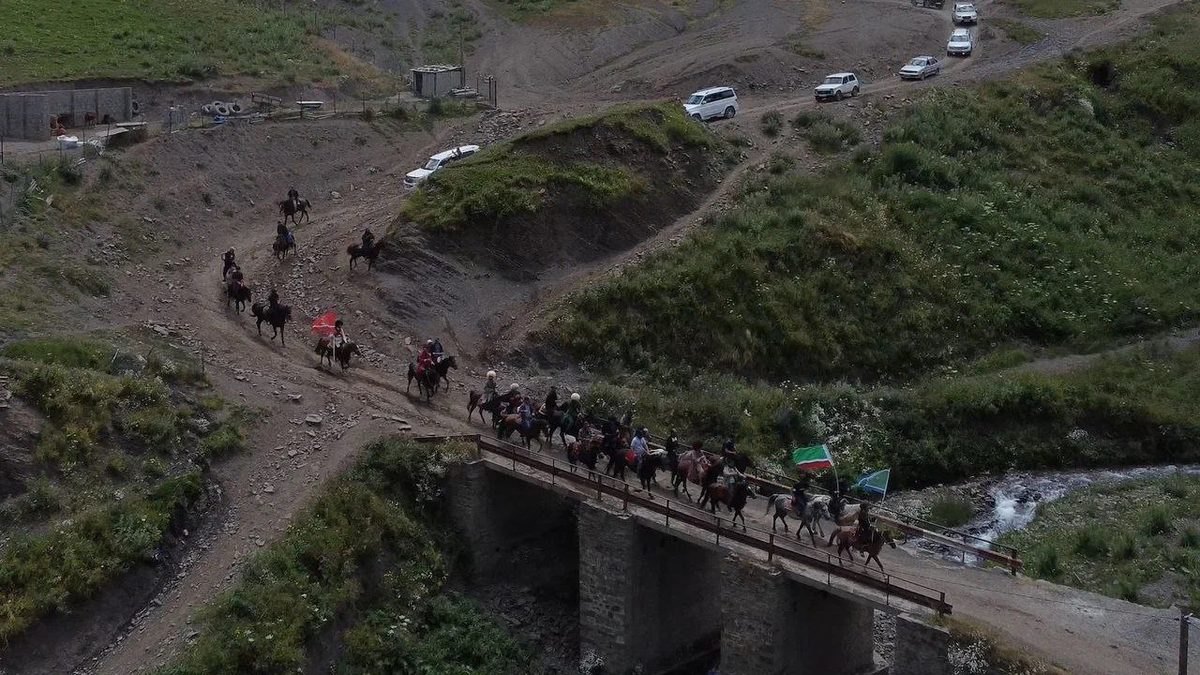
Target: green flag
[
  {"x": 812, "y": 458},
  {"x": 876, "y": 481}
]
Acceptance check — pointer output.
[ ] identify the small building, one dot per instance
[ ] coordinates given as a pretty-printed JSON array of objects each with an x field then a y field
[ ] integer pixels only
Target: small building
[
  {"x": 27, "y": 114},
  {"x": 436, "y": 81}
]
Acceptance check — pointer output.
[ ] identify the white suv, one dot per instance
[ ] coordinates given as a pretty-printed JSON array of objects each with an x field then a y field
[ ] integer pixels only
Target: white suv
[
  {"x": 837, "y": 86},
  {"x": 436, "y": 162},
  {"x": 709, "y": 103},
  {"x": 964, "y": 13},
  {"x": 960, "y": 43}
]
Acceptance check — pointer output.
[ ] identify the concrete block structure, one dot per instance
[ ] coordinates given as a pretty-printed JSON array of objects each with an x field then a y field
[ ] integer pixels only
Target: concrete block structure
[
  {"x": 921, "y": 648},
  {"x": 27, "y": 115},
  {"x": 436, "y": 81}
]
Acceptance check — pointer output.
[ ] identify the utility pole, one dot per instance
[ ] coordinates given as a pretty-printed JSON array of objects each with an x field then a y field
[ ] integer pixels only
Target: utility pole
[{"x": 1184, "y": 619}]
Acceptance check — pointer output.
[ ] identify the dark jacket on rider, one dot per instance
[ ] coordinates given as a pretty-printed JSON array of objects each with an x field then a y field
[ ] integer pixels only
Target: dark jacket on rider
[
  {"x": 273, "y": 299},
  {"x": 368, "y": 241}
]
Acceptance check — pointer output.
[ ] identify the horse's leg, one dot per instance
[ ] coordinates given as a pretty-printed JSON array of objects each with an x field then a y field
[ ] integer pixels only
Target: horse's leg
[
  {"x": 282, "y": 341},
  {"x": 877, "y": 561}
]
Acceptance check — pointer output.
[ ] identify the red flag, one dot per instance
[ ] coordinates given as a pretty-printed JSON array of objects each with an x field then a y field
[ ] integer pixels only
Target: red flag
[{"x": 323, "y": 325}]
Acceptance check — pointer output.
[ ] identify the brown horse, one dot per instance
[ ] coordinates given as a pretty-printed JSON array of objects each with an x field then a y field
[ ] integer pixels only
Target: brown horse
[
  {"x": 342, "y": 353},
  {"x": 733, "y": 496},
  {"x": 848, "y": 541},
  {"x": 356, "y": 251},
  {"x": 688, "y": 471},
  {"x": 239, "y": 293},
  {"x": 281, "y": 247}
]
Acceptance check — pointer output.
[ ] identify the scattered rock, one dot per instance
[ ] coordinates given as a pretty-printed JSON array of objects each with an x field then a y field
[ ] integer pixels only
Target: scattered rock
[
  {"x": 125, "y": 363},
  {"x": 200, "y": 425},
  {"x": 313, "y": 420},
  {"x": 269, "y": 489}
]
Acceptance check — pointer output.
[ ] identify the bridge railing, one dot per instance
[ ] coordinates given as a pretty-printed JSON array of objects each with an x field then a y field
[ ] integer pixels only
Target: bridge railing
[
  {"x": 784, "y": 548},
  {"x": 983, "y": 548}
]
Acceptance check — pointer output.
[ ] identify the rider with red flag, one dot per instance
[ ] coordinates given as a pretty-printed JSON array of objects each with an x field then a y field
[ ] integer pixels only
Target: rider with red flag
[{"x": 425, "y": 358}]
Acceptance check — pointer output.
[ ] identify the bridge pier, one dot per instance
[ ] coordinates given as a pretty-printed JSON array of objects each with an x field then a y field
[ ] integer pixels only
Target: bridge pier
[
  {"x": 499, "y": 514},
  {"x": 646, "y": 599},
  {"x": 776, "y": 626},
  {"x": 921, "y": 649}
]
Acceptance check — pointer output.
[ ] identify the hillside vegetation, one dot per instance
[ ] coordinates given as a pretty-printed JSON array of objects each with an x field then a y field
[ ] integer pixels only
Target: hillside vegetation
[
  {"x": 1135, "y": 408},
  {"x": 1055, "y": 209},
  {"x": 98, "y": 465},
  {"x": 1137, "y": 540},
  {"x": 363, "y": 569},
  {"x": 572, "y": 190},
  {"x": 163, "y": 40}
]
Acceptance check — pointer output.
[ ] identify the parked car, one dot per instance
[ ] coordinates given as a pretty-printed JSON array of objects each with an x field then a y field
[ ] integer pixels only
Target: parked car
[
  {"x": 709, "y": 103},
  {"x": 412, "y": 178},
  {"x": 960, "y": 43},
  {"x": 920, "y": 68},
  {"x": 837, "y": 87},
  {"x": 964, "y": 13}
]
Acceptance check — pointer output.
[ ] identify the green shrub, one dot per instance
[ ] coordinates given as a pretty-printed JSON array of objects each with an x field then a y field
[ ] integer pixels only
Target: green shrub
[
  {"x": 1126, "y": 548},
  {"x": 1092, "y": 542},
  {"x": 1046, "y": 563},
  {"x": 772, "y": 123},
  {"x": 226, "y": 439},
  {"x": 1126, "y": 589},
  {"x": 1190, "y": 537},
  {"x": 1158, "y": 520},
  {"x": 1177, "y": 486},
  {"x": 67, "y": 352}
]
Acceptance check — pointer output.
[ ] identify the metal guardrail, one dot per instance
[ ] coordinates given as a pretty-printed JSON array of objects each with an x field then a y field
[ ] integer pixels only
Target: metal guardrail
[{"x": 783, "y": 548}]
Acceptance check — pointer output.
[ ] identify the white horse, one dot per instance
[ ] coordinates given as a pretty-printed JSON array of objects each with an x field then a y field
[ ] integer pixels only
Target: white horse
[{"x": 816, "y": 509}]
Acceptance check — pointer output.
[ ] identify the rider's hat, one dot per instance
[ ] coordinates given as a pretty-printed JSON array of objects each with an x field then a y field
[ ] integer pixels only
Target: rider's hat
[
  {"x": 514, "y": 387},
  {"x": 491, "y": 373},
  {"x": 575, "y": 396}
]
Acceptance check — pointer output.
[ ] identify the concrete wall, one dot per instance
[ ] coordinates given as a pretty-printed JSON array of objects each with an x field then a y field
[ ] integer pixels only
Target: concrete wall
[
  {"x": 921, "y": 649},
  {"x": 27, "y": 115},
  {"x": 498, "y": 514},
  {"x": 775, "y": 626},
  {"x": 24, "y": 116}
]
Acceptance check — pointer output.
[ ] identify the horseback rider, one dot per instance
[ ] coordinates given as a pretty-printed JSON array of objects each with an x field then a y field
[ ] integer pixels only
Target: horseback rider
[
  {"x": 368, "y": 240},
  {"x": 425, "y": 358},
  {"x": 585, "y": 432},
  {"x": 489, "y": 387},
  {"x": 435, "y": 350},
  {"x": 237, "y": 277},
  {"x": 273, "y": 300},
  {"x": 514, "y": 399},
  {"x": 863, "y": 533},
  {"x": 574, "y": 410},
  {"x": 734, "y": 458},
  {"x": 799, "y": 498},
  {"x": 339, "y": 335},
  {"x": 228, "y": 262},
  {"x": 638, "y": 446},
  {"x": 282, "y": 233},
  {"x": 551, "y": 403},
  {"x": 526, "y": 413},
  {"x": 293, "y": 195},
  {"x": 611, "y": 431}
]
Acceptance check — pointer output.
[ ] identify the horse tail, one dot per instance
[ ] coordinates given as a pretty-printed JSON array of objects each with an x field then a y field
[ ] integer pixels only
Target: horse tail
[{"x": 770, "y": 503}]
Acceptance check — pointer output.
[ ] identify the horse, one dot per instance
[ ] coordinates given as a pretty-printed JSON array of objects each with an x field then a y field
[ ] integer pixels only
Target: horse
[
  {"x": 239, "y": 294},
  {"x": 475, "y": 402},
  {"x": 555, "y": 417},
  {"x": 710, "y": 476},
  {"x": 357, "y": 251},
  {"x": 276, "y": 317},
  {"x": 733, "y": 496},
  {"x": 495, "y": 407},
  {"x": 290, "y": 207},
  {"x": 842, "y": 513},
  {"x": 280, "y": 247},
  {"x": 617, "y": 452},
  {"x": 427, "y": 381},
  {"x": 816, "y": 508},
  {"x": 511, "y": 423},
  {"x": 687, "y": 471},
  {"x": 652, "y": 461},
  {"x": 342, "y": 353},
  {"x": 848, "y": 541},
  {"x": 584, "y": 452}
]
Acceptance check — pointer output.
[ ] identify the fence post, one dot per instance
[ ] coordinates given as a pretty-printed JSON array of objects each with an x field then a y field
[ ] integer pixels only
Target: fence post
[
  {"x": 626, "y": 504},
  {"x": 668, "y": 514},
  {"x": 771, "y": 548},
  {"x": 718, "y": 531},
  {"x": 1183, "y": 642}
]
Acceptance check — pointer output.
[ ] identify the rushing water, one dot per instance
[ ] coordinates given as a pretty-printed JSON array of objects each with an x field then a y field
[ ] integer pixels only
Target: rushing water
[{"x": 1016, "y": 497}]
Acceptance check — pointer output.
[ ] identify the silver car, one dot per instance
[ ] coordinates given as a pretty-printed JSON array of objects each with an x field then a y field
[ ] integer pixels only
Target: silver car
[
  {"x": 960, "y": 43},
  {"x": 920, "y": 68},
  {"x": 964, "y": 13}
]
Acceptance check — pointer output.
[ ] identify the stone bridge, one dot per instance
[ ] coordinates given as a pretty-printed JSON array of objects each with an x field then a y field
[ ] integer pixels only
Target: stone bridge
[{"x": 661, "y": 582}]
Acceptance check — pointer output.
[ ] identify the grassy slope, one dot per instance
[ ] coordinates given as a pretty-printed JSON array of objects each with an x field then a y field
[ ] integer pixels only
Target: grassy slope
[
  {"x": 382, "y": 515},
  {"x": 511, "y": 179},
  {"x": 111, "y": 469},
  {"x": 1043, "y": 210},
  {"x": 1138, "y": 540},
  {"x": 162, "y": 40},
  {"x": 1056, "y": 9},
  {"x": 1133, "y": 409}
]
